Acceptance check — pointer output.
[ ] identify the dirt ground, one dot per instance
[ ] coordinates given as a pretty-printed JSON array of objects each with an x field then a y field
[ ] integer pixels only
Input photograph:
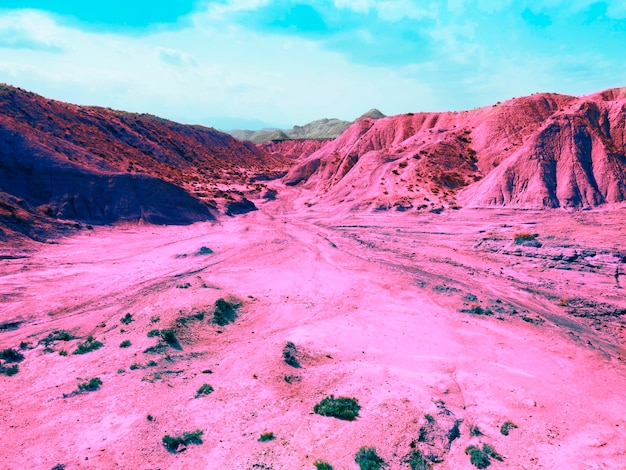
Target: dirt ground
[{"x": 429, "y": 320}]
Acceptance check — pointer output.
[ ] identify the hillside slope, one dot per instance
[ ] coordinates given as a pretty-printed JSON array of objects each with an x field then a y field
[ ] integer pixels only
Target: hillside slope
[
  {"x": 544, "y": 150},
  {"x": 97, "y": 165}
]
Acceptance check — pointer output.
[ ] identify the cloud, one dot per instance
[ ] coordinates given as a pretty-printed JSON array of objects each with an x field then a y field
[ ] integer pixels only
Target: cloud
[
  {"x": 174, "y": 57},
  {"x": 29, "y": 29}
]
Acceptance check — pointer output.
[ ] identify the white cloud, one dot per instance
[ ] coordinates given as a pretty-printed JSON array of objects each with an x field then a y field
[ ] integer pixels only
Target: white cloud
[{"x": 391, "y": 10}]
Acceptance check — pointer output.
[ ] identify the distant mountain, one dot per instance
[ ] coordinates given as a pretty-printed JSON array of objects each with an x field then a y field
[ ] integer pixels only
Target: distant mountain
[
  {"x": 541, "y": 151},
  {"x": 96, "y": 165},
  {"x": 322, "y": 129}
]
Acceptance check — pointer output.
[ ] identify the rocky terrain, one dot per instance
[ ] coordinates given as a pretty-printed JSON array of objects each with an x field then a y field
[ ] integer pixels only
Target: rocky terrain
[
  {"x": 302, "y": 324},
  {"x": 62, "y": 162}
]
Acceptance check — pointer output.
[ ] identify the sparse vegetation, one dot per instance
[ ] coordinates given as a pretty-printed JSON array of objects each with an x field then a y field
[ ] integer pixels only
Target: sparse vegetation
[
  {"x": 172, "y": 444},
  {"x": 186, "y": 285},
  {"x": 506, "y": 427},
  {"x": 321, "y": 465},
  {"x": 155, "y": 319},
  {"x": 125, "y": 344},
  {"x": 290, "y": 353},
  {"x": 417, "y": 460},
  {"x": 341, "y": 407},
  {"x": 91, "y": 386},
  {"x": 57, "y": 335},
  {"x": 58, "y": 466},
  {"x": 368, "y": 459},
  {"x": 482, "y": 458},
  {"x": 11, "y": 355},
  {"x": 126, "y": 319},
  {"x": 292, "y": 378},
  {"x": 204, "y": 390},
  {"x": 9, "y": 371},
  {"x": 225, "y": 312},
  {"x": 63, "y": 352},
  {"x": 522, "y": 237},
  {"x": 267, "y": 436},
  {"x": 168, "y": 336},
  {"x": 455, "y": 431},
  {"x": 89, "y": 345},
  {"x": 476, "y": 309},
  {"x": 475, "y": 431},
  {"x": 153, "y": 333},
  {"x": 135, "y": 366}
]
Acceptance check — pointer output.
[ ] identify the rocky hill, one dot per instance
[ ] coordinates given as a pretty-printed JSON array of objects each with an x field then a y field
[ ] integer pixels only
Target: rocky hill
[
  {"x": 322, "y": 129},
  {"x": 96, "y": 165},
  {"x": 544, "y": 150}
]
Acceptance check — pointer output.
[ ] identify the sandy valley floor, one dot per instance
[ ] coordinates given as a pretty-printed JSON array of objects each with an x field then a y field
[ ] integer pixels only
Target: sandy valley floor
[{"x": 413, "y": 315}]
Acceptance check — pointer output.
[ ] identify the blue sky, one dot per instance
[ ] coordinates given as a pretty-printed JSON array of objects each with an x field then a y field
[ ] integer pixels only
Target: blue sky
[{"x": 249, "y": 63}]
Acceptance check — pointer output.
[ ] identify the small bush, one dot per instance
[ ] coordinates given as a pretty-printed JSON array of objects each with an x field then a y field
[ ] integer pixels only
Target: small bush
[
  {"x": 292, "y": 378},
  {"x": 417, "y": 460},
  {"x": 91, "y": 386},
  {"x": 11, "y": 355},
  {"x": 126, "y": 319},
  {"x": 290, "y": 353},
  {"x": 135, "y": 366},
  {"x": 59, "y": 466},
  {"x": 169, "y": 336},
  {"x": 90, "y": 345},
  {"x": 155, "y": 319},
  {"x": 522, "y": 237},
  {"x": 203, "y": 251},
  {"x": 225, "y": 312},
  {"x": 455, "y": 432},
  {"x": 125, "y": 344},
  {"x": 475, "y": 431},
  {"x": 482, "y": 458},
  {"x": 173, "y": 443},
  {"x": 153, "y": 333},
  {"x": 186, "y": 285},
  {"x": 321, "y": 465},
  {"x": 9, "y": 371},
  {"x": 57, "y": 335},
  {"x": 204, "y": 390},
  {"x": 342, "y": 408},
  {"x": 62, "y": 352},
  {"x": 506, "y": 427},
  {"x": 267, "y": 436},
  {"x": 368, "y": 459},
  {"x": 150, "y": 418}
]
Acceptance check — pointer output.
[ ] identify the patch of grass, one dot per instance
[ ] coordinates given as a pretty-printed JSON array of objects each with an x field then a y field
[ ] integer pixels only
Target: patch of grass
[
  {"x": 267, "y": 436},
  {"x": 126, "y": 319},
  {"x": 481, "y": 458},
  {"x": 321, "y": 465},
  {"x": 290, "y": 355},
  {"x": 91, "y": 386},
  {"x": 341, "y": 407},
  {"x": 225, "y": 312},
  {"x": 125, "y": 344},
  {"x": 173, "y": 443},
  {"x": 11, "y": 355},
  {"x": 9, "y": 371},
  {"x": 89, "y": 345},
  {"x": 204, "y": 390},
  {"x": 368, "y": 459},
  {"x": 506, "y": 427}
]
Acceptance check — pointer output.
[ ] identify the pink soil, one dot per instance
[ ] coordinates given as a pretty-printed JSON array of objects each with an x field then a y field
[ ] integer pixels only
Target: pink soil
[{"x": 364, "y": 296}]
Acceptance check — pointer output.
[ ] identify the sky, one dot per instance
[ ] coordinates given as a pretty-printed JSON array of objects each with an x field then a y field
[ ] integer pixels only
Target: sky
[{"x": 261, "y": 63}]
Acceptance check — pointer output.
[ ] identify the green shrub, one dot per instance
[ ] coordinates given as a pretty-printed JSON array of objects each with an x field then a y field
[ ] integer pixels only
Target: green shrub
[
  {"x": 417, "y": 460},
  {"x": 89, "y": 345},
  {"x": 204, "y": 390},
  {"x": 125, "y": 344},
  {"x": 522, "y": 237},
  {"x": 155, "y": 319},
  {"x": 153, "y": 333},
  {"x": 126, "y": 319},
  {"x": 9, "y": 371},
  {"x": 91, "y": 386},
  {"x": 59, "y": 466},
  {"x": 342, "y": 408},
  {"x": 186, "y": 285},
  {"x": 267, "y": 436},
  {"x": 321, "y": 465},
  {"x": 290, "y": 353},
  {"x": 135, "y": 366},
  {"x": 203, "y": 251},
  {"x": 62, "y": 352},
  {"x": 506, "y": 427},
  {"x": 169, "y": 336},
  {"x": 150, "y": 418},
  {"x": 225, "y": 312},
  {"x": 368, "y": 459},
  {"x": 172, "y": 443},
  {"x": 455, "y": 432},
  {"x": 11, "y": 355},
  {"x": 481, "y": 458},
  {"x": 475, "y": 431},
  {"x": 57, "y": 335}
]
